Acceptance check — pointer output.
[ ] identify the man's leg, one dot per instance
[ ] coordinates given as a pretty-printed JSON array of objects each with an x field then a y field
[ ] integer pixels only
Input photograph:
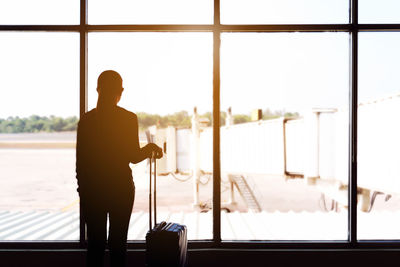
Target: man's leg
[
  {"x": 96, "y": 222},
  {"x": 120, "y": 215}
]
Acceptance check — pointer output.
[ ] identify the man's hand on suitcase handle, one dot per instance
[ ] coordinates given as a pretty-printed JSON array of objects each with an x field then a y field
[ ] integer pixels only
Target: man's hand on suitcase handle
[
  {"x": 154, "y": 151},
  {"x": 157, "y": 153}
]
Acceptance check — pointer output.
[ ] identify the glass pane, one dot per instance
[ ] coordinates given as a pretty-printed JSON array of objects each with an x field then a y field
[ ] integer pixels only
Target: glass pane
[
  {"x": 383, "y": 11},
  {"x": 285, "y": 97},
  {"x": 165, "y": 75},
  {"x": 39, "y": 101},
  {"x": 284, "y": 11},
  {"x": 21, "y": 12},
  {"x": 378, "y": 131},
  {"x": 151, "y": 12}
]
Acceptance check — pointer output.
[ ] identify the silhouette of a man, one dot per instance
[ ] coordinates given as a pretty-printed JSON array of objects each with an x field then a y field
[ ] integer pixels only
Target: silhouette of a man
[{"x": 107, "y": 141}]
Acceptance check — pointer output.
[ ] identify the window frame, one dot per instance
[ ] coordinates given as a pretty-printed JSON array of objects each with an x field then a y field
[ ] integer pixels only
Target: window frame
[{"x": 353, "y": 28}]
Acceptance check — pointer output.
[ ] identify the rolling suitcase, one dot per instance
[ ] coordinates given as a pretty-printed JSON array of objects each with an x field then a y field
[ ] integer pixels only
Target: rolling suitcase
[{"x": 166, "y": 243}]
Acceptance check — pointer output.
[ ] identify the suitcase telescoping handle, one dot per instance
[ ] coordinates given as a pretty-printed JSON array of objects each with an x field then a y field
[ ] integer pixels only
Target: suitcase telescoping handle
[{"x": 153, "y": 159}]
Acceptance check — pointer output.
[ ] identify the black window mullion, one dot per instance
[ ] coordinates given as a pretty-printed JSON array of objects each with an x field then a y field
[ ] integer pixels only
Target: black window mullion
[
  {"x": 352, "y": 223},
  {"x": 82, "y": 94},
  {"x": 216, "y": 142},
  {"x": 216, "y": 127}
]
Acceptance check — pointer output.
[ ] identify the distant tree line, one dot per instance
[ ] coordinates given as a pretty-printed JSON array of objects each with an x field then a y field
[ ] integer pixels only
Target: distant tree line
[
  {"x": 267, "y": 114},
  {"x": 177, "y": 119},
  {"x": 35, "y": 123},
  {"x": 182, "y": 119}
]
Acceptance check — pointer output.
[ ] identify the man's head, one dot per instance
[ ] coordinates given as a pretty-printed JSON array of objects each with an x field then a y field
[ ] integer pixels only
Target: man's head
[{"x": 109, "y": 87}]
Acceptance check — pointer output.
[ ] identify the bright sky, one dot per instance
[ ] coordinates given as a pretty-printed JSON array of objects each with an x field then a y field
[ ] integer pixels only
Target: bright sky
[
  {"x": 169, "y": 72},
  {"x": 162, "y": 72}
]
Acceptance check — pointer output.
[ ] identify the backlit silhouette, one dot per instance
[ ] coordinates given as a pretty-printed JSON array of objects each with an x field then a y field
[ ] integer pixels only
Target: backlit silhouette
[{"x": 107, "y": 142}]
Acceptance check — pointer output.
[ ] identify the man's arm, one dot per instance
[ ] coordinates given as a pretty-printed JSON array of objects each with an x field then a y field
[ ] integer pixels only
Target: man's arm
[
  {"x": 138, "y": 154},
  {"x": 79, "y": 155}
]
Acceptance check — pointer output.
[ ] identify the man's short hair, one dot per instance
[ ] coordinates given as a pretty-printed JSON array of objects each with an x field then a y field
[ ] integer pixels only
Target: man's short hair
[{"x": 109, "y": 80}]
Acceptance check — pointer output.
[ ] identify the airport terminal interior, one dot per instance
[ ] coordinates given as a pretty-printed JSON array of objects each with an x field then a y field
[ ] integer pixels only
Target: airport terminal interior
[{"x": 277, "y": 120}]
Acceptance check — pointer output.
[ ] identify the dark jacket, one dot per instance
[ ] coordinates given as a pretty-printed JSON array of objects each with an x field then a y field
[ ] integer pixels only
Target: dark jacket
[{"x": 107, "y": 141}]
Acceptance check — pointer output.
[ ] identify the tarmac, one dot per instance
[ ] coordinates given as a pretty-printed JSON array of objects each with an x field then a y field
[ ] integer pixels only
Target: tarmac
[{"x": 44, "y": 179}]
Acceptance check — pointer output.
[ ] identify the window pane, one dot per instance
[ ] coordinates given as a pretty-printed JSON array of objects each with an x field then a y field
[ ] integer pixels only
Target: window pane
[
  {"x": 39, "y": 101},
  {"x": 20, "y": 12},
  {"x": 284, "y": 11},
  {"x": 151, "y": 12},
  {"x": 383, "y": 11},
  {"x": 165, "y": 75},
  {"x": 285, "y": 97},
  {"x": 378, "y": 132}
]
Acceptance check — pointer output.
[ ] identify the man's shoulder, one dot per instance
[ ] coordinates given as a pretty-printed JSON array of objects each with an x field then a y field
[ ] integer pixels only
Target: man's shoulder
[
  {"x": 90, "y": 113},
  {"x": 88, "y": 116},
  {"x": 126, "y": 113}
]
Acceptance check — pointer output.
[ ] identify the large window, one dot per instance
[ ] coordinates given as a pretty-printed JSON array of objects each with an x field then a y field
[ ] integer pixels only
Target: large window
[
  {"x": 277, "y": 118},
  {"x": 378, "y": 107},
  {"x": 150, "y": 12},
  {"x": 303, "y": 129},
  {"x": 284, "y": 11},
  {"x": 384, "y": 11},
  {"x": 39, "y": 111},
  {"x": 39, "y": 12},
  {"x": 165, "y": 77}
]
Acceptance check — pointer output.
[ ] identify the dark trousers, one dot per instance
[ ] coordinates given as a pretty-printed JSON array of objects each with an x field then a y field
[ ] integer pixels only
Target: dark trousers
[{"x": 118, "y": 207}]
